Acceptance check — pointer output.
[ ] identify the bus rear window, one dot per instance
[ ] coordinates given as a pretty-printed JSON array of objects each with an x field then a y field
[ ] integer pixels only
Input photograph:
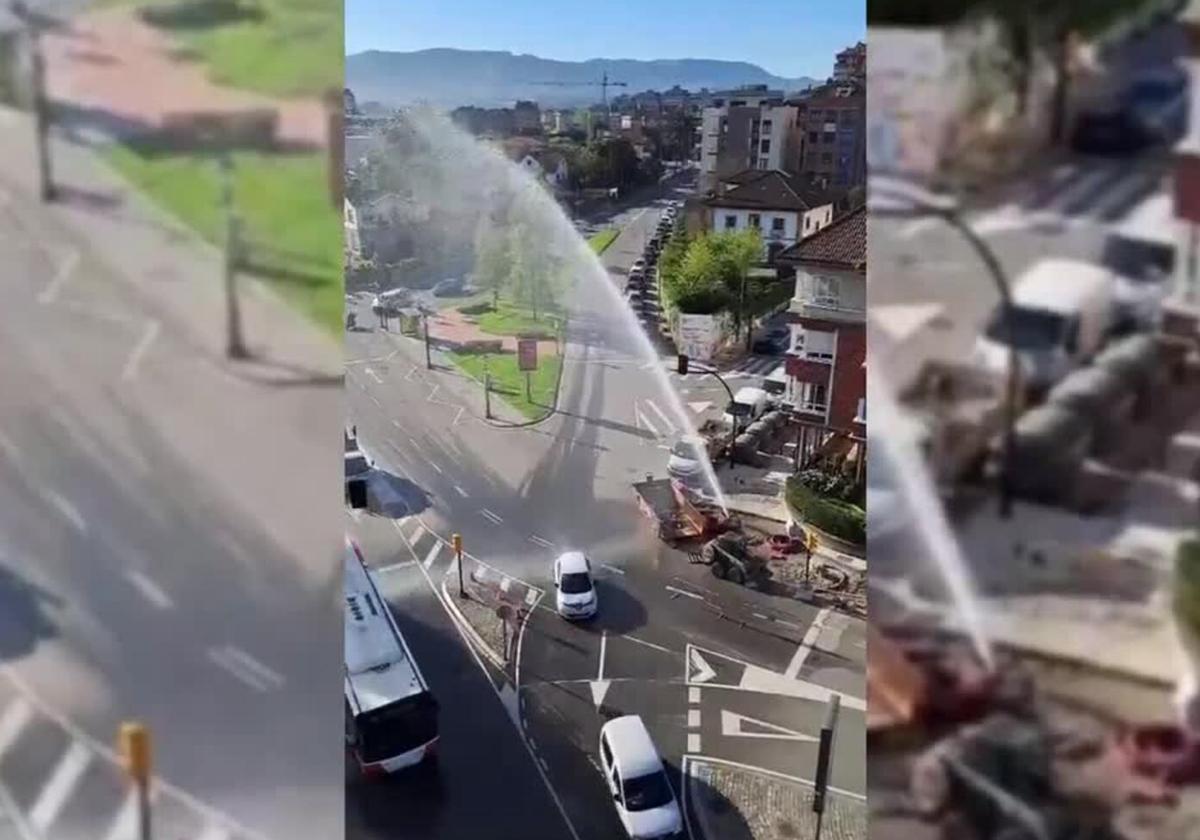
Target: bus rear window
[{"x": 397, "y": 728}]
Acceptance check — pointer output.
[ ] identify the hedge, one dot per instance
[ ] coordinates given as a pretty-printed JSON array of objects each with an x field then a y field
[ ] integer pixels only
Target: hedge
[{"x": 840, "y": 519}]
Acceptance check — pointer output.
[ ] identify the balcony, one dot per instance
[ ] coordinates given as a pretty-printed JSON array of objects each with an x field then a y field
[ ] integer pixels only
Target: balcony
[{"x": 827, "y": 309}]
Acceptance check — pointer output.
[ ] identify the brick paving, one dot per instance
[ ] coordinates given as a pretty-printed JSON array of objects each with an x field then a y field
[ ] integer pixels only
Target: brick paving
[
  {"x": 450, "y": 325},
  {"x": 110, "y": 62},
  {"x": 735, "y": 803}
]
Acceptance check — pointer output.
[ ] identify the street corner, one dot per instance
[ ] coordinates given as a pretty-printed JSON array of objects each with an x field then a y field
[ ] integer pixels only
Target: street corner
[
  {"x": 491, "y": 606},
  {"x": 734, "y": 802}
]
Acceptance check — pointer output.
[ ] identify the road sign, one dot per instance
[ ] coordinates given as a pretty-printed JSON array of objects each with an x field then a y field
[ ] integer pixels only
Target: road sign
[{"x": 527, "y": 354}]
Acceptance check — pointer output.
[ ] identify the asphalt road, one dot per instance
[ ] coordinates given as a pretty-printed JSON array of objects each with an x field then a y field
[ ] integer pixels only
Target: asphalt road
[
  {"x": 130, "y": 586},
  {"x": 520, "y": 496}
]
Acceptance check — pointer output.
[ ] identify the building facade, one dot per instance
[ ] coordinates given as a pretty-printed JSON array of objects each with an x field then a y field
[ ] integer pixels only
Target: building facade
[
  {"x": 850, "y": 65},
  {"x": 746, "y": 136},
  {"x": 831, "y": 132},
  {"x": 776, "y": 203},
  {"x": 826, "y": 363}
]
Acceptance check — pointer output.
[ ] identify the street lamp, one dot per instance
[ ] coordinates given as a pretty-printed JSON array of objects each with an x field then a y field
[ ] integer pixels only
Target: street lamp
[
  {"x": 906, "y": 202},
  {"x": 683, "y": 366},
  {"x": 41, "y": 108},
  {"x": 235, "y": 347}
]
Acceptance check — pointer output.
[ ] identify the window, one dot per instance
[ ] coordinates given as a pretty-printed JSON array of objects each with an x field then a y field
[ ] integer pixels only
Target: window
[
  {"x": 755, "y": 220},
  {"x": 816, "y": 345},
  {"x": 764, "y": 163},
  {"x": 777, "y": 224},
  {"x": 766, "y": 126},
  {"x": 765, "y": 146},
  {"x": 812, "y": 397},
  {"x": 860, "y": 416},
  {"x": 730, "y": 222},
  {"x": 826, "y": 158},
  {"x": 824, "y": 290},
  {"x": 829, "y": 137},
  {"x": 812, "y": 136}
]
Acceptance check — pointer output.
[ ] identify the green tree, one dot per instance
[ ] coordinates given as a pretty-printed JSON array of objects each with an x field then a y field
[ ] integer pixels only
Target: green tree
[
  {"x": 735, "y": 254},
  {"x": 537, "y": 272},
  {"x": 494, "y": 259}
]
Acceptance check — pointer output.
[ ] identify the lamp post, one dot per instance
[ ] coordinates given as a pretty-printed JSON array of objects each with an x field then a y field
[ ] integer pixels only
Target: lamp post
[
  {"x": 235, "y": 347},
  {"x": 908, "y": 206},
  {"x": 683, "y": 367},
  {"x": 41, "y": 107}
]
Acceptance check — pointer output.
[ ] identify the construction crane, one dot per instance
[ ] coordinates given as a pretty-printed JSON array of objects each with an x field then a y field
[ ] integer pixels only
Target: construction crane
[{"x": 604, "y": 84}]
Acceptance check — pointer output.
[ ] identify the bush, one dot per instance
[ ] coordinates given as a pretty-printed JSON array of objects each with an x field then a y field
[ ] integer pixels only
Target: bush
[
  {"x": 831, "y": 485},
  {"x": 476, "y": 308},
  {"x": 831, "y": 515}
]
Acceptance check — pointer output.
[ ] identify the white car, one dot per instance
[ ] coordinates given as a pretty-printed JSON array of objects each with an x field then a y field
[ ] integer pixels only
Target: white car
[
  {"x": 638, "y": 781},
  {"x": 687, "y": 459},
  {"x": 574, "y": 589}
]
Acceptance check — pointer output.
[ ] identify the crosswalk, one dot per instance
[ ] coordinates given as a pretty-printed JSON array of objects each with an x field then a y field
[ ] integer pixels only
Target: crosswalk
[
  {"x": 58, "y": 784},
  {"x": 1082, "y": 193}
]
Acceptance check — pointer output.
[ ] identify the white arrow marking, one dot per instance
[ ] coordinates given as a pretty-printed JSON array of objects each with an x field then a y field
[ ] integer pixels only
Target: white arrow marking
[
  {"x": 704, "y": 672},
  {"x": 599, "y": 689},
  {"x": 699, "y": 407},
  {"x": 731, "y": 725}
]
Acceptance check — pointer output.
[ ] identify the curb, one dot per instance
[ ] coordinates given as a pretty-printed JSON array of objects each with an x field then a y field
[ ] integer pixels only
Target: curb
[
  {"x": 467, "y": 627},
  {"x": 837, "y": 543},
  {"x": 503, "y": 424}
]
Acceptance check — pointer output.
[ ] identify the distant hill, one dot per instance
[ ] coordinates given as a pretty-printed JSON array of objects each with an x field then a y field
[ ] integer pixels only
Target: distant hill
[{"x": 448, "y": 78}]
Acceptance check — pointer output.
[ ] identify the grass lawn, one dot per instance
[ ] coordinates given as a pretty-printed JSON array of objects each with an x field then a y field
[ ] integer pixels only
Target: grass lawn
[
  {"x": 602, "y": 239},
  {"x": 293, "y": 48},
  {"x": 284, "y": 203},
  {"x": 510, "y": 319},
  {"x": 509, "y": 383}
]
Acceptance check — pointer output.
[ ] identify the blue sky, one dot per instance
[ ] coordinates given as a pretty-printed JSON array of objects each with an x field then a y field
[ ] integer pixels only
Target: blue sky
[{"x": 785, "y": 37}]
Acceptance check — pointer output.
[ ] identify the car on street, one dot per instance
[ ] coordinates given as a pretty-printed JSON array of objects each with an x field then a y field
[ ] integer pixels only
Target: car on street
[
  {"x": 1140, "y": 253},
  {"x": 638, "y": 265},
  {"x": 687, "y": 459},
  {"x": 1159, "y": 100},
  {"x": 450, "y": 287},
  {"x": 1110, "y": 132},
  {"x": 774, "y": 343},
  {"x": 391, "y": 301},
  {"x": 637, "y": 780},
  {"x": 574, "y": 590}
]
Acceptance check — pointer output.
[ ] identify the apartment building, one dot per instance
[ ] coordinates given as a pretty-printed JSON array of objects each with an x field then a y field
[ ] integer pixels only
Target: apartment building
[
  {"x": 830, "y": 143},
  {"x": 850, "y": 65},
  {"x": 778, "y": 204},
  {"x": 736, "y": 137}
]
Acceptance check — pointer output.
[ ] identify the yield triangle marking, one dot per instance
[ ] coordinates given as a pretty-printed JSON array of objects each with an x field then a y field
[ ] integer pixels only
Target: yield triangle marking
[
  {"x": 599, "y": 689},
  {"x": 703, "y": 671},
  {"x": 736, "y": 725},
  {"x": 699, "y": 407}
]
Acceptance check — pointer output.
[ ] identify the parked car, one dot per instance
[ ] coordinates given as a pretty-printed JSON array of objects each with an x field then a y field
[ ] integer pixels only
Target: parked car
[
  {"x": 687, "y": 459},
  {"x": 774, "y": 343},
  {"x": 638, "y": 265},
  {"x": 1140, "y": 253},
  {"x": 391, "y": 301},
  {"x": 450, "y": 287},
  {"x": 1159, "y": 100},
  {"x": 637, "y": 780},
  {"x": 1115, "y": 132},
  {"x": 574, "y": 589}
]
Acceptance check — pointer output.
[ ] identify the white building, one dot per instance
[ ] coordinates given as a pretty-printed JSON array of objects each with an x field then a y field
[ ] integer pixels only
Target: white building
[{"x": 783, "y": 209}]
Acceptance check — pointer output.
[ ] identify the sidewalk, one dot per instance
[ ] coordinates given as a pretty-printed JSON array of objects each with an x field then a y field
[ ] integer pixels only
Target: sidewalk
[{"x": 255, "y": 429}]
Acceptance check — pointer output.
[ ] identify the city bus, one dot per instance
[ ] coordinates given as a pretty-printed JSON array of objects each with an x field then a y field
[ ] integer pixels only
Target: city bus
[{"x": 391, "y": 715}]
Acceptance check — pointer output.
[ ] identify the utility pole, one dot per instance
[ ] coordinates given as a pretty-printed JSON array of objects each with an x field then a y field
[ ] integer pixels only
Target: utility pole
[
  {"x": 134, "y": 741},
  {"x": 41, "y": 107},
  {"x": 235, "y": 347},
  {"x": 428, "y": 357},
  {"x": 456, "y": 541},
  {"x": 683, "y": 366}
]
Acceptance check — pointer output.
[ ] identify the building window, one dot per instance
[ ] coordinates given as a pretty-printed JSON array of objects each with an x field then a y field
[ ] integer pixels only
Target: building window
[
  {"x": 816, "y": 345},
  {"x": 812, "y": 136},
  {"x": 764, "y": 163},
  {"x": 829, "y": 137},
  {"x": 826, "y": 158},
  {"x": 766, "y": 126},
  {"x": 824, "y": 291},
  {"x": 730, "y": 222},
  {"x": 812, "y": 397},
  {"x": 765, "y": 147},
  {"x": 777, "y": 224},
  {"x": 860, "y": 416},
  {"x": 755, "y": 220}
]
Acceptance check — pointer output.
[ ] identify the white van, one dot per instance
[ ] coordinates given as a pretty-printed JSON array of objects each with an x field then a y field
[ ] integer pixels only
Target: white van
[
  {"x": 637, "y": 780},
  {"x": 1064, "y": 310},
  {"x": 776, "y": 385},
  {"x": 748, "y": 405},
  {"x": 1140, "y": 253}
]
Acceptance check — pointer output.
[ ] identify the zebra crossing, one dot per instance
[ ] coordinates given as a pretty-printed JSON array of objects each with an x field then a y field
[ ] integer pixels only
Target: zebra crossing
[
  {"x": 1076, "y": 194},
  {"x": 56, "y": 783}
]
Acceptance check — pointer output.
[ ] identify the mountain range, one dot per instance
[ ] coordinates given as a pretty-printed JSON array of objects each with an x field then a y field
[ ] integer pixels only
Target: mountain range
[{"x": 448, "y": 78}]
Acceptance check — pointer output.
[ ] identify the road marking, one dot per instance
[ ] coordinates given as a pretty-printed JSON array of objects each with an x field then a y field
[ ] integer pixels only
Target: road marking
[
  {"x": 693, "y": 742},
  {"x": 435, "y": 466},
  {"x": 536, "y": 540},
  {"x": 432, "y": 555},
  {"x": 613, "y": 569},
  {"x": 734, "y": 726},
  {"x": 666, "y": 421},
  {"x": 491, "y": 516},
  {"x": 531, "y": 597},
  {"x": 245, "y": 668},
  {"x": 125, "y": 826},
  {"x": 371, "y": 373},
  {"x": 16, "y": 716},
  {"x": 685, "y": 592},
  {"x": 699, "y": 407},
  {"x": 599, "y": 689},
  {"x": 693, "y": 719},
  {"x": 603, "y": 650},
  {"x": 149, "y": 590},
  {"x": 10, "y": 449},
  {"x": 417, "y": 533},
  {"x": 139, "y": 351},
  {"x": 704, "y": 672},
  {"x": 693, "y": 694},
  {"x": 215, "y": 832},
  {"x": 68, "y": 510},
  {"x": 62, "y": 781},
  {"x": 806, "y": 646},
  {"x": 460, "y": 491},
  {"x": 61, "y": 275},
  {"x": 641, "y": 420},
  {"x": 395, "y": 567},
  {"x": 648, "y": 644}
]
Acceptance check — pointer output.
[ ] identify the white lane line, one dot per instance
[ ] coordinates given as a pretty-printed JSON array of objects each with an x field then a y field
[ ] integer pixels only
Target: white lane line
[
  {"x": 60, "y": 785},
  {"x": 432, "y": 555},
  {"x": 693, "y": 742},
  {"x": 61, "y": 276},
  {"x": 125, "y": 826},
  {"x": 416, "y": 445},
  {"x": 149, "y": 590},
  {"x": 544, "y": 543},
  {"x": 603, "y": 650},
  {"x": 531, "y": 597},
  {"x": 139, "y": 351},
  {"x": 17, "y": 715},
  {"x": 613, "y": 569},
  {"x": 693, "y": 719},
  {"x": 245, "y": 668},
  {"x": 10, "y": 449},
  {"x": 806, "y": 646},
  {"x": 693, "y": 694},
  {"x": 435, "y": 466},
  {"x": 460, "y": 491},
  {"x": 68, "y": 510},
  {"x": 685, "y": 592},
  {"x": 371, "y": 373},
  {"x": 416, "y": 534},
  {"x": 666, "y": 421},
  {"x": 215, "y": 832},
  {"x": 395, "y": 567},
  {"x": 642, "y": 420},
  {"x": 491, "y": 516},
  {"x": 636, "y": 640}
]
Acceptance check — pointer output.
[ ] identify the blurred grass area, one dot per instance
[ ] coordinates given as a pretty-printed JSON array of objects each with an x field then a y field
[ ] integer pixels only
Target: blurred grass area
[
  {"x": 294, "y": 234},
  {"x": 508, "y": 382},
  {"x": 602, "y": 239},
  {"x": 511, "y": 319},
  {"x": 276, "y": 47}
]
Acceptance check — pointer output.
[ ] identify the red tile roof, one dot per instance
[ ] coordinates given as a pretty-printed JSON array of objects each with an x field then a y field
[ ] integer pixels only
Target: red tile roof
[{"x": 842, "y": 243}]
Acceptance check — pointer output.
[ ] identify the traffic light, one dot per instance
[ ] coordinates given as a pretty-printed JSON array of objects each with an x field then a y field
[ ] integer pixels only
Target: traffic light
[
  {"x": 683, "y": 364},
  {"x": 356, "y": 493},
  {"x": 134, "y": 742}
]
